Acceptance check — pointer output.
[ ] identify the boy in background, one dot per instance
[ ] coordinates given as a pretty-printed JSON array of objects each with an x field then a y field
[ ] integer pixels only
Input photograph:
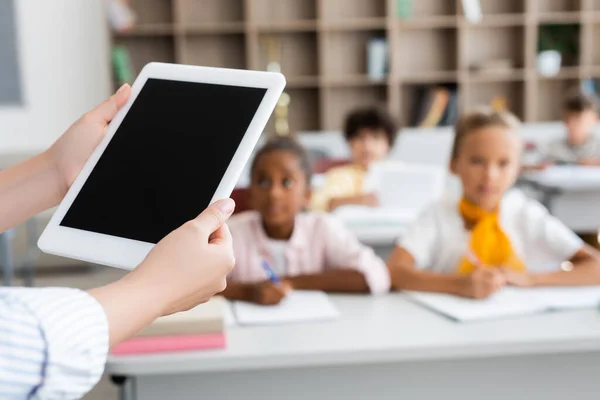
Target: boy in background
[
  {"x": 370, "y": 133},
  {"x": 580, "y": 116}
]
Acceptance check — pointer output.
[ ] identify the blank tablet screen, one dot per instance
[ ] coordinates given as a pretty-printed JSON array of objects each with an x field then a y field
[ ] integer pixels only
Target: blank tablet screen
[{"x": 166, "y": 159}]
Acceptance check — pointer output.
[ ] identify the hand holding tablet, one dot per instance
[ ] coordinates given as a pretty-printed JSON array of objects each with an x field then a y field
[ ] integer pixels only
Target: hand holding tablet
[{"x": 177, "y": 145}]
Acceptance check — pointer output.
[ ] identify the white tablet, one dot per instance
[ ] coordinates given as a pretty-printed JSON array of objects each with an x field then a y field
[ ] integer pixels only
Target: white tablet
[{"x": 179, "y": 144}]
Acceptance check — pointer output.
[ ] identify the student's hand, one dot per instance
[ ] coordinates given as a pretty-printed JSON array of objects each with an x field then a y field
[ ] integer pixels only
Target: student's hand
[
  {"x": 370, "y": 199},
  {"x": 268, "y": 294},
  {"x": 190, "y": 265},
  {"x": 517, "y": 278},
  {"x": 482, "y": 283},
  {"x": 70, "y": 152},
  {"x": 541, "y": 166},
  {"x": 589, "y": 162}
]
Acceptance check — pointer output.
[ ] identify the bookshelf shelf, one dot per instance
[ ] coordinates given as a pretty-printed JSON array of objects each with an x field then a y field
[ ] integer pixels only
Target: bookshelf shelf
[
  {"x": 557, "y": 17},
  {"x": 296, "y": 26},
  {"x": 558, "y": 6},
  {"x": 430, "y": 22},
  {"x": 495, "y": 20},
  {"x": 303, "y": 81},
  {"x": 354, "y": 81},
  {"x": 323, "y": 50},
  {"x": 431, "y": 77},
  {"x": 355, "y": 24},
  {"x": 214, "y": 28},
  {"x": 148, "y": 30},
  {"x": 500, "y": 76},
  {"x": 564, "y": 73}
]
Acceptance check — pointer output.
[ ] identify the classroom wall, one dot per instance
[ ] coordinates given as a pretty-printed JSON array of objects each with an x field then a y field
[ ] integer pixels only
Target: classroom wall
[{"x": 64, "y": 56}]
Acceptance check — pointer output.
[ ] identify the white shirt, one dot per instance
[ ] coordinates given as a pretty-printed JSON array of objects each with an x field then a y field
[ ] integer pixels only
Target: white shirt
[
  {"x": 278, "y": 248},
  {"x": 53, "y": 343},
  {"x": 438, "y": 240}
]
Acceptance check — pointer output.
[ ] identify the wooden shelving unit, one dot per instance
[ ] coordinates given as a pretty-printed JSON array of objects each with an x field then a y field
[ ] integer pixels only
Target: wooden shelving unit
[{"x": 323, "y": 52}]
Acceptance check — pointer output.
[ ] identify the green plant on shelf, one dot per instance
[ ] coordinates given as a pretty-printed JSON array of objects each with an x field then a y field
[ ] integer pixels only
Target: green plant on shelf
[{"x": 563, "y": 38}]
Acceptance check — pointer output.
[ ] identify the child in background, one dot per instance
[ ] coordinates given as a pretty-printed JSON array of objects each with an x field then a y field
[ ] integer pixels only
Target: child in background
[
  {"x": 494, "y": 236},
  {"x": 308, "y": 251},
  {"x": 580, "y": 116},
  {"x": 370, "y": 133}
]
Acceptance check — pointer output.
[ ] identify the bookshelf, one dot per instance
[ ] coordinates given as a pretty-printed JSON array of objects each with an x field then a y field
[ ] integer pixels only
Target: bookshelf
[{"x": 323, "y": 50}]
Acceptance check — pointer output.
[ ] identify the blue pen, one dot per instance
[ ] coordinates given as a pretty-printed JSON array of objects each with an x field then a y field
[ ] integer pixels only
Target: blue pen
[{"x": 271, "y": 275}]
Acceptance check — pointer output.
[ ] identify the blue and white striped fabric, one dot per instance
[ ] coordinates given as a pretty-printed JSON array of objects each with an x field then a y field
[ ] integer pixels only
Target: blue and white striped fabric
[{"x": 53, "y": 343}]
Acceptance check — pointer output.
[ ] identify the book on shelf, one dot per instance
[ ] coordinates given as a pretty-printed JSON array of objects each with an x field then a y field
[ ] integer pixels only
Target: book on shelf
[
  {"x": 404, "y": 9},
  {"x": 436, "y": 106},
  {"x": 377, "y": 58},
  {"x": 123, "y": 69}
]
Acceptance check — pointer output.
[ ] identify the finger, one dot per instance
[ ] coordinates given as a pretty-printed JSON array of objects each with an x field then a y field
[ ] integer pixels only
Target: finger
[
  {"x": 222, "y": 236},
  {"x": 499, "y": 282},
  {"x": 281, "y": 289},
  {"x": 106, "y": 111},
  {"x": 211, "y": 219}
]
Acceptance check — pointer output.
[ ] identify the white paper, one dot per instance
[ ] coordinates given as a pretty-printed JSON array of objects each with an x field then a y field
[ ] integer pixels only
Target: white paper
[
  {"x": 353, "y": 215},
  {"x": 405, "y": 186},
  {"x": 229, "y": 317},
  {"x": 565, "y": 298},
  {"x": 567, "y": 176},
  {"x": 298, "y": 306},
  {"x": 510, "y": 302}
]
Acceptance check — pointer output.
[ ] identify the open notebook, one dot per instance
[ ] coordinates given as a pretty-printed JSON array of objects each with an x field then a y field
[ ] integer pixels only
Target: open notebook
[
  {"x": 391, "y": 181},
  {"x": 298, "y": 306},
  {"x": 509, "y": 302}
]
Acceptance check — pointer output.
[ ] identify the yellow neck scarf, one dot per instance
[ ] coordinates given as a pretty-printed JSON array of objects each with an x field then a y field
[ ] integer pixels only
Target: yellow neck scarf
[{"x": 489, "y": 243}]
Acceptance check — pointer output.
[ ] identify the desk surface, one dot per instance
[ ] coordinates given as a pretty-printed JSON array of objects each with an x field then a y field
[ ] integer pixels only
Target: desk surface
[
  {"x": 377, "y": 330},
  {"x": 567, "y": 177}
]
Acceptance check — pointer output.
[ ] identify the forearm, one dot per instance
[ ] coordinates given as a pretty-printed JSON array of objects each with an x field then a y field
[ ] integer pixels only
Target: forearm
[
  {"x": 336, "y": 281},
  {"x": 28, "y": 189},
  {"x": 129, "y": 306},
  {"x": 404, "y": 278},
  {"x": 237, "y": 291},
  {"x": 585, "y": 272},
  {"x": 336, "y": 202}
]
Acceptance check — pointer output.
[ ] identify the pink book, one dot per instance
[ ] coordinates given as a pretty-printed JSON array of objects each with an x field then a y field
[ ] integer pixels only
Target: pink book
[{"x": 164, "y": 344}]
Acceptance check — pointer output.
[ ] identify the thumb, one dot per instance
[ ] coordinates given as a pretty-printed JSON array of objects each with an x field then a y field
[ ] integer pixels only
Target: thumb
[
  {"x": 215, "y": 215},
  {"x": 106, "y": 111}
]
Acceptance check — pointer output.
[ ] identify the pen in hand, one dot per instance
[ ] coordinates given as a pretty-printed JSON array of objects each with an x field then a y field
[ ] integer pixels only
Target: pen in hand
[{"x": 271, "y": 275}]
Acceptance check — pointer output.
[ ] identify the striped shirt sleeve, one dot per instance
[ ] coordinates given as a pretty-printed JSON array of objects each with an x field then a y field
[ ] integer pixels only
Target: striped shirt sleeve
[{"x": 53, "y": 343}]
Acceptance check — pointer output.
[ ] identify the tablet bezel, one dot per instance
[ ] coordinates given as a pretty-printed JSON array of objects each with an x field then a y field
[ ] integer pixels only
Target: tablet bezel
[{"x": 127, "y": 253}]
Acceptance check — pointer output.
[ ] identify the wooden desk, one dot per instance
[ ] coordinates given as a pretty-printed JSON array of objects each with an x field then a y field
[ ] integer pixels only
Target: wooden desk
[{"x": 383, "y": 348}]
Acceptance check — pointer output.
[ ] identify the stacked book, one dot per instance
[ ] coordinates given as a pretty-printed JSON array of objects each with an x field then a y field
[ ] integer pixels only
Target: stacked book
[{"x": 200, "y": 328}]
